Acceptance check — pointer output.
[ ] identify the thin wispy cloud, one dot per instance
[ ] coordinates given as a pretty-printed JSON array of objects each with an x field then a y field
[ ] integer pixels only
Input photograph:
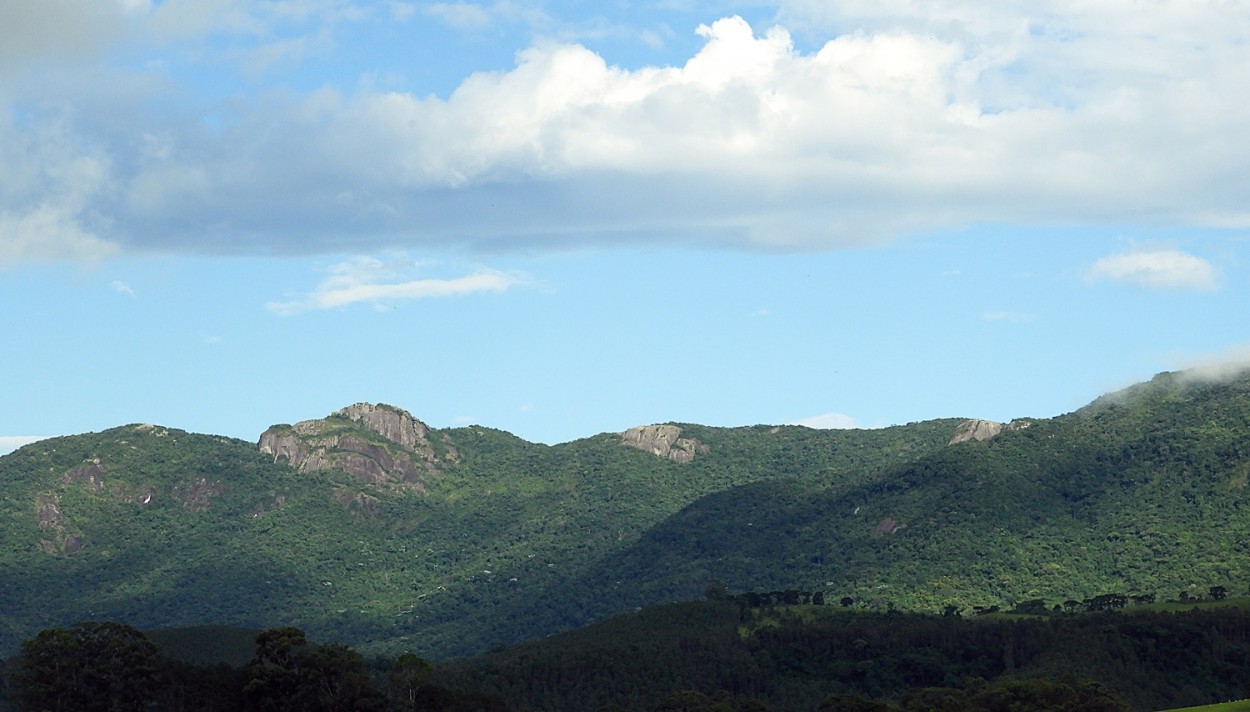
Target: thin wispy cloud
[
  {"x": 463, "y": 16},
  {"x": 1014, "y": 317},
  {"x": 829, "y": 421},
  {"x": 380, "y": 283},
  {"x": 122, "y": 288},
  {"x": 1156, "y": 269},
  {"x": 9, "y": 443}
]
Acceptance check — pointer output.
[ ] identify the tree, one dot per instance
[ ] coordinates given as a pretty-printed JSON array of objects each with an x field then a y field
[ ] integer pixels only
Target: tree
[
  {"x": 715, "y": 590},
  {"x": 405, "y": 679},
  {"x": 853, "y": 703},
  {"x": 288, "y": 674},
  {"x": 1032, "y": 607},
  {"x": 109, "y": 667},
  {"x": 274, "y": 675},
  {"x": 1042, "y": 695},
  {"x": 1218, "y": 593}
]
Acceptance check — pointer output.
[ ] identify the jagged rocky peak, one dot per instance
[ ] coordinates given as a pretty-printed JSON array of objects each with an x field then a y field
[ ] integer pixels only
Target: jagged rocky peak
[
  {"x": 663, "y": 441},
  {"x": 975, "y": 429},
  {"x": 400, "y": 456},
  {"x": 394, "y": 424}
]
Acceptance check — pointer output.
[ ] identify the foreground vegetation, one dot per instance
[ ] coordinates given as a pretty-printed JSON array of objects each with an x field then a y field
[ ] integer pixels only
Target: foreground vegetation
[{"x": 719, "y": 655}]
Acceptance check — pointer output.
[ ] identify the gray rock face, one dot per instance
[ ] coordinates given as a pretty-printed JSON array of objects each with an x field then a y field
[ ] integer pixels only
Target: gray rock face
[
  {"x": 663, "y": 441},
  {"x": 394, "y": 424},
  {"x": 976, "y": 430},
  {"x": 400, "y": 456}
]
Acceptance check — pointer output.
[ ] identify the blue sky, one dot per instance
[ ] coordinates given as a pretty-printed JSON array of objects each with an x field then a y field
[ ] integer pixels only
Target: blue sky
[{"x": 565, "y": 218}]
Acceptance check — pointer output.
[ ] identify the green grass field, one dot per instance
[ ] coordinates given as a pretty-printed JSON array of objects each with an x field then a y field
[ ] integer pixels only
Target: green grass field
[{"x": 1237, "y": 706}]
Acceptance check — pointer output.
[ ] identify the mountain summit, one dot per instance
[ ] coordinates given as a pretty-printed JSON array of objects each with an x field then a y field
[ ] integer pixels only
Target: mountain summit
[{"x": 379, "y": 444}]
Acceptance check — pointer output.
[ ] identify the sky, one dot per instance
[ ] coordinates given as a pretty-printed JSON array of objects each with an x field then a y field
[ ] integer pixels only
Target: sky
[{"x": 561, "y": 218}]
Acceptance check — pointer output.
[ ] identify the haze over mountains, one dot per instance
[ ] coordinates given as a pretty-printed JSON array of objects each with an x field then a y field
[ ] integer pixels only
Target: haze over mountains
[{"x": 371, "y": 528}]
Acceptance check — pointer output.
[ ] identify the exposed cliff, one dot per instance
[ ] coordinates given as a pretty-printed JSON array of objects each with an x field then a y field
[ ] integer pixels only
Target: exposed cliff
[
  {"x": 663, "y": 441},
  {"x": 976, "y": 430},
  {"x": 380, "y": 444}
]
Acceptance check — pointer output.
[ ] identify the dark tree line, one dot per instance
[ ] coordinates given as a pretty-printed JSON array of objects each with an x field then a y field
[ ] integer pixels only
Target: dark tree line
[
  {"x": 111, "y": 667},
  {"x": 702, "y": 657}
]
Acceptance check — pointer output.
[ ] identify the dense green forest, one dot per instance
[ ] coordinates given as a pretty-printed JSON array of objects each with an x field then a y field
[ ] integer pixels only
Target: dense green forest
[
  {"x": 745, "y": 653},
  {"x": 159, "y": 527},
  {"x": 1143, "y": 492},
  {"x": 471, "y": 538},
  {"x": 793, "y": 657}
]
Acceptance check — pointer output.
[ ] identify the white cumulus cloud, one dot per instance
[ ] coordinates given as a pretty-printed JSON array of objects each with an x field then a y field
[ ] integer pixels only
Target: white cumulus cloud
[
  {"x": 844, "y": 124},
  {"x": 1156, "y": 269}
]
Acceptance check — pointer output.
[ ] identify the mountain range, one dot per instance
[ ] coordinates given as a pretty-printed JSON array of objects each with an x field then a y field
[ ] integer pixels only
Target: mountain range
[{"x": 371, "y": 528}]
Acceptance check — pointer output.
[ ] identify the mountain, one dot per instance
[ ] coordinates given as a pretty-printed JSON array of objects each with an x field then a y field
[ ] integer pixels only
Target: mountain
[
  {"x": 1141, "y": 492},
  {"x": 368, "y": 526}
]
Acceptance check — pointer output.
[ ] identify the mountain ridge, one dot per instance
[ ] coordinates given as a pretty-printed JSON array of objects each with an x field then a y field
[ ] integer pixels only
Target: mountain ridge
[{"x": 474, "y": 537}]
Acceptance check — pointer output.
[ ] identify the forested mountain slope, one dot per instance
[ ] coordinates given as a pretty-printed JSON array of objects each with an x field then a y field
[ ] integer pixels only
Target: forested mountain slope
[
  {"x": 368, "y": 527},
  {"x": 1141, "y": 492}
]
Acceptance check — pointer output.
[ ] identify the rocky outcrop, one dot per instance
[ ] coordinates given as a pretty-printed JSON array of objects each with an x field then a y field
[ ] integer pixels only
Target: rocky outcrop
[
  {"x": 90, "y": 474},
  {"x": 58, "y": 541},
  {"x": 197, "y": 494},
  {"x": 379, "y": 444},
  {"x": 663, "y": 441},
  {"x": 975, "y": 429},
  {"x": 394, "y": 424}
]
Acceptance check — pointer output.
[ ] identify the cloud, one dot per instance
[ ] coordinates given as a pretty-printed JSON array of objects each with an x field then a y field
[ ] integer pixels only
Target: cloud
[
  {"x": 882, "y": 120},
  {"x": 829, "y": 421},
  {"x": 1156, "y": 269},
  {"x": 377, "y": 282},
  {"x": 1227, "y": 364},
  {"x": 470, "y": 16},
  {"x": 35, "y": 31},
  {"x": 1009, "y": 316},
  {"x": 401, "y": 11},
  {"x": 9, "y": 443},
  {"x": 459, "y": 15},
  {"x": 122, "y": 288},
  {"x": 49, "y": 233},
  {"x": 48, "y": 188}
]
